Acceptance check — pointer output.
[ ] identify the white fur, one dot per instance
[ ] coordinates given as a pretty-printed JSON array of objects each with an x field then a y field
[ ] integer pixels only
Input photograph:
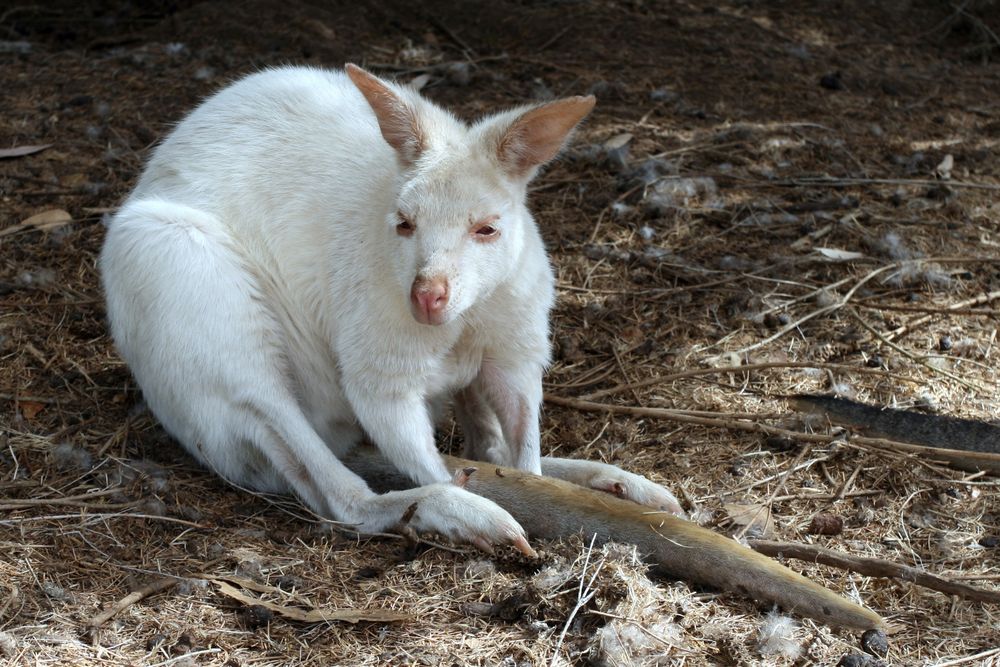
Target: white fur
[{"x": 259, "y": 291}]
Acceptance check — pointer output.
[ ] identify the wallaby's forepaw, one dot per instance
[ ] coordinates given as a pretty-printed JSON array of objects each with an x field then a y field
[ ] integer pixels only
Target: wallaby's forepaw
[{"x": 461, "y": 516}]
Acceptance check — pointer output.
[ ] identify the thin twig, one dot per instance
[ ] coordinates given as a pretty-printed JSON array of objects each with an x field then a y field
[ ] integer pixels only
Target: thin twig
[
  {"x": 913, "y": 357},
  {"x": 836, "y": 182},
  {"x": 820, "y": 311},
  {"x": 15, "y": 595},
  {"x": 554, "y": 38},
  {"x": 947, "y": 310},
  {"x": 661, "y": 379},
  {"x": 437, "y": 23},
  {"x": 135, "y": 596},
  {"x": 909, "y": 326},
  {"x": 795, "y": 467},
  {"x": 769, "y": 503},
  {"x": 873, "y": 567},
  {"x": 102, "y": 515},
  {"x": 583, "y": 595},
  {"x": 185, "y": 656},
  {"x": 19, "y": 504},
  {"x": 33, "y": 399},
  {"x": 971, "y": 658}
]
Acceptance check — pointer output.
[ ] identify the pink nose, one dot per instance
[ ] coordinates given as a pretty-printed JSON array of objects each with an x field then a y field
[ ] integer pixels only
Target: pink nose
[{"x": 429, "y": 298}]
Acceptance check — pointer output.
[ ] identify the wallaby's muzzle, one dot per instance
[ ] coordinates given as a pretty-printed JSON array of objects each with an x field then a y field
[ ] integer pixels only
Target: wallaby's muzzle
[{"x": 429, "y": 299}]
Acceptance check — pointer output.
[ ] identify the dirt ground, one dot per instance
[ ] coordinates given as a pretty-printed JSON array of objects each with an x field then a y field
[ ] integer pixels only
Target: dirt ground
[{"x": 760, "y": 184}]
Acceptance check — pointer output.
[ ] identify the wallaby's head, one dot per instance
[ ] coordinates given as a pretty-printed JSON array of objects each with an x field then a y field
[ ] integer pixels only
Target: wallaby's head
[{"x": 460, "y": 221}]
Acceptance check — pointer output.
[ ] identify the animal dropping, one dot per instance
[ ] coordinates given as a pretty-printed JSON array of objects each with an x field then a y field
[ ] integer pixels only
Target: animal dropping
[{"x": 313, "y": 258}]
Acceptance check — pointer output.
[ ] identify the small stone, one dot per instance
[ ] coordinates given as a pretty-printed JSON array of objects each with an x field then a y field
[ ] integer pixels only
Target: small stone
[
  {"x": 184, "y": 644},
  {"x": 255, "y": 616},
  {"x": 54, "y": 591},
  {"x": 831, "y": 81},
  {"x": 8, "y": 645},
  {"x": 777, "y": 443},
  {"x": 663, "y": 95},
  {"x": 459, "y": 74},
  {"x": 289, "y": 582},
  {"x": 944, "y": 343},
  {"x": 68, "y": 457},
  {"x": 616, "y": 151},
  {"x": 875, "y": 642}
]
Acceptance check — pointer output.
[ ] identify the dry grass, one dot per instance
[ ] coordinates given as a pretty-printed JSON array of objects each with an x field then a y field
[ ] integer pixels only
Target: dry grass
[{"x": 656, "y": 281}]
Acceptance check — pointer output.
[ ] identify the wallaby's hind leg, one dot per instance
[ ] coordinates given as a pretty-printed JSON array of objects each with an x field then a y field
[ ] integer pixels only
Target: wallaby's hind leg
[
  {"x": 612, "y": 479},
  {"x": 480, "y": 409},
  {"x": 498, "y": 413},
  {"x": 193, "y": 324},
  {"x": 481, "y": 430}
]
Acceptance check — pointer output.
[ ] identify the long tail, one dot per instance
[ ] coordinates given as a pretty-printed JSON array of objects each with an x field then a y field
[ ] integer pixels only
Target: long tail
[{"x": 551, "y": 508}]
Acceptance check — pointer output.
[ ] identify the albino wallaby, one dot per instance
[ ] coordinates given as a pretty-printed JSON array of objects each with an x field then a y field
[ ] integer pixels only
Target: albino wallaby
[{"x": 312, "y": 257}]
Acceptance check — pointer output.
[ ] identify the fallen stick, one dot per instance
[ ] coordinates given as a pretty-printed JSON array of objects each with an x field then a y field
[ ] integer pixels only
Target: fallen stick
[
  {"x": 873, "y": 567},
  {"x": 550, "y": 508},
  {"x": 962, "y": 460}
]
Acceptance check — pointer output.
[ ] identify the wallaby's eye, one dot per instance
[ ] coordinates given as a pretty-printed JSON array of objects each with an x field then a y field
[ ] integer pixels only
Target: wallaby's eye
[
  {"x": 405, "y": 227},
  {"x": 486, "y": 230}
]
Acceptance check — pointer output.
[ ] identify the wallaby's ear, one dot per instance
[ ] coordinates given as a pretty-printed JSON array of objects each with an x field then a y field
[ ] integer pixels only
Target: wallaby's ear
[
  {"x": 396, "y": 117},
  {"x": 538, "y": 134}
]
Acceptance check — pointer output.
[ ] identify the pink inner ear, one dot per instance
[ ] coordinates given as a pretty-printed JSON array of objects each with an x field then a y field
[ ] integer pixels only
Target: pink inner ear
[
  {"x": 536, "y": 137},
  {"x": 396, "y": 119}
]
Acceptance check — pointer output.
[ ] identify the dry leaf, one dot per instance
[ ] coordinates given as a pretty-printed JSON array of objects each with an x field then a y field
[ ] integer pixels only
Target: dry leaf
[
  {"x": 50, "y": 219},
  {"x": 838, "y": 255},
  {"x": 30, "y": 409},
  {"x": 44, "y": 221},
  {"x": 943, "y": 170},
  {"x": 756, "y": 516},
  {"x": 315, "y": 615},
  {"x": 249, "y": 584},
  {"x": 417, "y": 83},
  {"x": 20, "y": 151}
]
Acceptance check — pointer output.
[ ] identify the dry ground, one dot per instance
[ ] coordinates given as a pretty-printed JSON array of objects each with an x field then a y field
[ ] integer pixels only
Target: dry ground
[{"x": 761, "y": 133}]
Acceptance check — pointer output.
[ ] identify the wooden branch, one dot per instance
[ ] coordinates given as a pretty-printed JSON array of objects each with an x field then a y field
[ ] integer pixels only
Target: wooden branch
[
  {"x": 840, "y": 182},
  {"x": 971, "y": 461},
  {"x": 873, "y": 567}
]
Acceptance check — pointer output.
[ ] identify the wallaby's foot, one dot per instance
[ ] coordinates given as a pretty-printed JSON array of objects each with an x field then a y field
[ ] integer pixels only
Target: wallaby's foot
[
  {"x": 612, "y": 479},
  {"x": 449, "y": 510}
]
